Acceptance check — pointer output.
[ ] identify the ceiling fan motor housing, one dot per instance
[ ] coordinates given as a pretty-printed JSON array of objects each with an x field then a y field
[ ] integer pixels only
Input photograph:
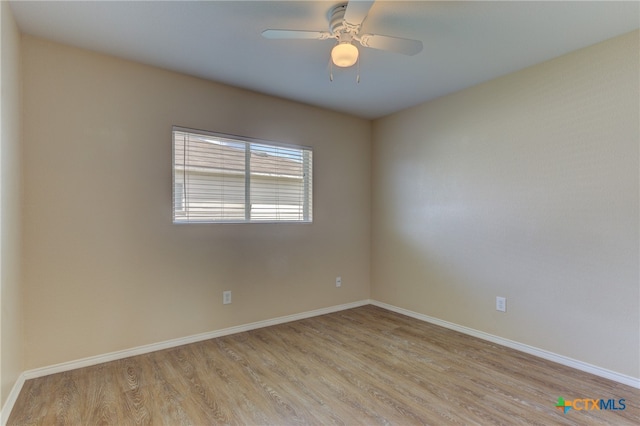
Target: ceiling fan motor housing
[{"x": 340, "y": 28}]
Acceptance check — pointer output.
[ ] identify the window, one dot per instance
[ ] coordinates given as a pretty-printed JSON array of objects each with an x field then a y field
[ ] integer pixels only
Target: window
[{"x": 223, "y": 178}]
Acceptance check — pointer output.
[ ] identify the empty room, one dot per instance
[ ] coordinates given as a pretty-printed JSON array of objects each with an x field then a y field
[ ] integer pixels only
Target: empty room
[{"x": 319, "y": 212}]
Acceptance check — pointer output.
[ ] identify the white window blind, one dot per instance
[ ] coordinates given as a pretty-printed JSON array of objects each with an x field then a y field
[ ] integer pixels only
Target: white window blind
[{"x": 223, "y": 178}]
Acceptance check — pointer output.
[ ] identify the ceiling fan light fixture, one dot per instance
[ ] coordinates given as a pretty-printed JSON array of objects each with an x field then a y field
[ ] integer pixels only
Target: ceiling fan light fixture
[{"x": 344, "y": 54}]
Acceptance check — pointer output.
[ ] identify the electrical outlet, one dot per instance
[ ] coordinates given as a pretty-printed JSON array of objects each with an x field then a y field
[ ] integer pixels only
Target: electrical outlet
[
  {"x": 501, "y": 304},
  {"x": 338, "y": 281},
  {"x": 226, "y": 297}
]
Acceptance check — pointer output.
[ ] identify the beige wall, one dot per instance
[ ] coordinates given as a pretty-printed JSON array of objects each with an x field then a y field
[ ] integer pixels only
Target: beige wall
[
  {"x": 104, "y": 267},
  {"x": 11, "y": 335},
  {"x": 524, "y": 187}
]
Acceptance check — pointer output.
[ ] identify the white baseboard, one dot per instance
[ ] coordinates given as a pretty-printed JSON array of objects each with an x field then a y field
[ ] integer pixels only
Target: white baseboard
[
  {"x": 541, "y": 353},
  {"x": 112, "y": 356},
  {"x": 11, "y": 399}
]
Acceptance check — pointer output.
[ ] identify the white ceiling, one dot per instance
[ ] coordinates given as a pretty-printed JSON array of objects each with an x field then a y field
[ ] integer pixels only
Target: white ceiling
[{"x": 465, "y": 43}]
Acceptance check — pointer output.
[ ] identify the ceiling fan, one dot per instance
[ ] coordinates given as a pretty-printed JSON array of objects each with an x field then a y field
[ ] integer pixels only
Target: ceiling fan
[{"x": 345, "y": 22}]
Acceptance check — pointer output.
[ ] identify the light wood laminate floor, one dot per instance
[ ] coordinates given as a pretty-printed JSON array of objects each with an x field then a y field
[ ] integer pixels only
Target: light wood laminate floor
[{"x": 360, "y": 366}]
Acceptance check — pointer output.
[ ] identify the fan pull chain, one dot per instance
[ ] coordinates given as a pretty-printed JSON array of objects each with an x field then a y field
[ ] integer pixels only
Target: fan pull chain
[
  {"x": 330, "y": 70},
  {"x": 357, "y": 70}
]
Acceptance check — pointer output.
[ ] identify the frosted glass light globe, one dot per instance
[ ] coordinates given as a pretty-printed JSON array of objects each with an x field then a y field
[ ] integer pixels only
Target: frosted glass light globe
[{"x": 344, "y": 55}]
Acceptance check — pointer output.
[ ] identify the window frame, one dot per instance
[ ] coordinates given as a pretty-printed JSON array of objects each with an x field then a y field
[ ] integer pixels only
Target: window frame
[{"x": 307, "y": 206}]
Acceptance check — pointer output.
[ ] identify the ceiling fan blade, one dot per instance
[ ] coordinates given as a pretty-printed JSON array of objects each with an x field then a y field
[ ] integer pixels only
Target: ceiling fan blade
[
  {"x": 296, "y": 34},
  {"x": 394, "y": 44},
  {"x": 357, "y": 10}
]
